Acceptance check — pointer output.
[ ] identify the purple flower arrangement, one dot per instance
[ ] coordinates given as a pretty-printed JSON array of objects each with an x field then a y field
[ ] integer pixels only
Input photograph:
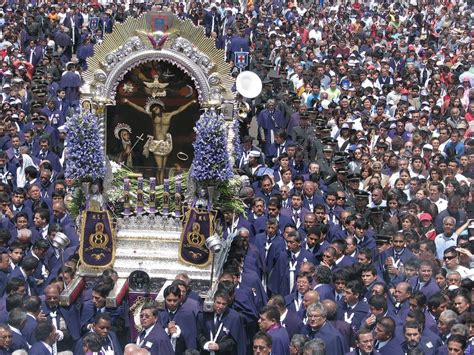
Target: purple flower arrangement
[
  {"x": 85, "y": 153},
  {"x": 237, "y": 144},
  {"x": 211, "y": 159}
]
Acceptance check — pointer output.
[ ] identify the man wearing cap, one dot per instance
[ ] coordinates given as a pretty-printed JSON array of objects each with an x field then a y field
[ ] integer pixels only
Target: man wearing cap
[
  {"x": 300, "y": 133},
  {"x": 42, "y": 128},
  {"x": 247, "y": 147},
  {"x": 353, "y": 184},
  {"x": 340, "y": 180},
  {"x": 250, "y": 169},
  {"x": 325, "y": 162},
  {"x": 427, "y": 229},
  {"x": 396, "y": 256}
]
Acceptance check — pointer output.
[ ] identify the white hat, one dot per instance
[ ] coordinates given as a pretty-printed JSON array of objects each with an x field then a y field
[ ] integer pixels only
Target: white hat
[
  {"x": 325, "y": 104},
  {"x": 62, "y": 129},
  {"x": 353, "y": 62},
  {"x": 428, "y": 147},
  {"x": 254, "y": 154}
]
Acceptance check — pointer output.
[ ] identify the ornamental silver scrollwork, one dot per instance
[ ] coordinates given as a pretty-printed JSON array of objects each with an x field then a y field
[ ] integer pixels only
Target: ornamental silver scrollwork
[
  {"x": 216, "y": 89},
  {"x": 185, "y": 46},
  {"x": 100, "y": 76},
  {"x": 130, "y": 46},
  {"x": 107, "y": 89}
]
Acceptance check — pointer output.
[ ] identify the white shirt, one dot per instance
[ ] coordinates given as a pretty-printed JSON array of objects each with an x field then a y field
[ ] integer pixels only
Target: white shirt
[
  {"x": 147, "y": 332},
  {"x": 442, "y": 204},
  {"x": 442, "y": 243},
  {"x": 465, "y": 272},
  {"x": 47, "y": 346},
  {"x": 283, "y": 316}
]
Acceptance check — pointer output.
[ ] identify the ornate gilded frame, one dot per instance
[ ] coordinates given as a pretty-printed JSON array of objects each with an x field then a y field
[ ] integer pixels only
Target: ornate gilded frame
[{"x": 129, "y": 46}]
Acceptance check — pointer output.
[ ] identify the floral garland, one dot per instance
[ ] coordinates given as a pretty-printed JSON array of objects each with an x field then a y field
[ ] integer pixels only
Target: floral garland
[
  {"x": 237, "y": 151},
  {"x": 85, "y": 154},
  {"x": 211, "y": 163}
]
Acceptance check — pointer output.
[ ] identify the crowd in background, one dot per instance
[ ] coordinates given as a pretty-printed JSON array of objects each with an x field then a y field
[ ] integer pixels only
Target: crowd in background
[{"x": 357, "y": 160}]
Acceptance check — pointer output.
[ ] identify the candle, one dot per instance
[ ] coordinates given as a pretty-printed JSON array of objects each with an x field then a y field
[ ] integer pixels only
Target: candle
[
  {"x": 139, "y": 208},
  {"x": 126, "y": 197},
  {"x": 151, "y": 201},
  {"x": 177, "y": 197},
  {"x": 178, "y": 184},
  {"x": 166, "y": 196}
]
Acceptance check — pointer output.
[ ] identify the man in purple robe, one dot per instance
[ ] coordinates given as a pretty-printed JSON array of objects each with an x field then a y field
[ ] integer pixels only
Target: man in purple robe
[
  {"x": 269, "y": 322},
  {"x": 179, "y": 324},
  {"x": 269, "y": 121},
  {"x": 222, "y": 330},
  {"x": 319, "y": 328}
]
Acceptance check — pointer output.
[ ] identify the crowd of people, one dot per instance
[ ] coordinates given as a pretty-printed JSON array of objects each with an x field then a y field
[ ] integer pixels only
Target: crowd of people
[{"x": 358, "y": 234}]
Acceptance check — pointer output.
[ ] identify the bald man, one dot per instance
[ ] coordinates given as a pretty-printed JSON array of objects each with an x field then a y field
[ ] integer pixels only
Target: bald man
[
  {"x": 401, "y": 307},
  {"x": 309, "y": 298},
  {"x": 65, "y": 319},
  {"x": 133, "y": 349},
  {"x": 62, "y": 217},
  {"x": 348, "y": 335}
]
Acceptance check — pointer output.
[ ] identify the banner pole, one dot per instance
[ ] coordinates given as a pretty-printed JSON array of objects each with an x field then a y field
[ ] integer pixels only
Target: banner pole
[{"x": 212, "y": 270}]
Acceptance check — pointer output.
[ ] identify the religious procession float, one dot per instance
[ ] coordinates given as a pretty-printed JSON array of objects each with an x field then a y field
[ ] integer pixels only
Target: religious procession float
[{"x": 151, "y": 155}]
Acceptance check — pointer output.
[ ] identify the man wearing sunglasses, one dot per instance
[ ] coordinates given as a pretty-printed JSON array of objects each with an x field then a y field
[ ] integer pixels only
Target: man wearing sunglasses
[{"x": 451, "y": 263}]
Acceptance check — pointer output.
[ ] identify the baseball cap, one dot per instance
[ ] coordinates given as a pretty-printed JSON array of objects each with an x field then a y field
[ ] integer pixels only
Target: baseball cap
[{"x": 425, "y": 217}]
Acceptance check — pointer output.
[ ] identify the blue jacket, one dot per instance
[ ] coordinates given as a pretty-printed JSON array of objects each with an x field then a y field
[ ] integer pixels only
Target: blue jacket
[
  {"x": 280, "y": 341},
  {"x": 330, "y": 336},
  {"x": 112, "y": 341},
  {"x": 38, "y": 348}
]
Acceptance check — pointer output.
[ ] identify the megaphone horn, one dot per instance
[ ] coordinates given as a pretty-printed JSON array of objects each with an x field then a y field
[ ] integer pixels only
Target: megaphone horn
[{"x": 248, "y": 84}]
